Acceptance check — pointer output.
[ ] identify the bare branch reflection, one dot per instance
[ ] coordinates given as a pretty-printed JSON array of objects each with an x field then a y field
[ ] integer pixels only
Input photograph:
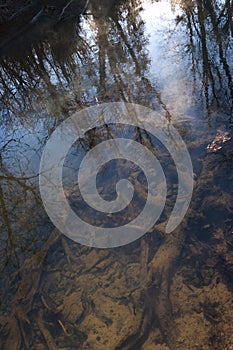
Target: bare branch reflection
[{"x": 60, "y": 295}]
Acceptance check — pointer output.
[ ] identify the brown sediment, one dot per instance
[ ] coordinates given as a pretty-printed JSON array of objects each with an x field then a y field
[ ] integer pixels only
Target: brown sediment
[{"x": 29, "y": 275}]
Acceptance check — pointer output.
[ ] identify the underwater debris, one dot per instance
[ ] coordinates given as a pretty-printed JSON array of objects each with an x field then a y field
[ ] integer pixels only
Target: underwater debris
[{"x": 216, "y": 144}]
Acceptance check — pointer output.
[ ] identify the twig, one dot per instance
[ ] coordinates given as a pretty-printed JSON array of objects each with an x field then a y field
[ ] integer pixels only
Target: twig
[
  {"x": 64, "y": 329},
  {"x": 64, "y": 8}
]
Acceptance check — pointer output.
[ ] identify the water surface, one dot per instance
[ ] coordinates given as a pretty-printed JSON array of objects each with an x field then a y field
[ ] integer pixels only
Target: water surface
[{"x": 162, "y": 291}]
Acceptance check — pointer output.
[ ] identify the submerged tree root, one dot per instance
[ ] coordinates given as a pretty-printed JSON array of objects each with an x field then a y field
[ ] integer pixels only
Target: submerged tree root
[
  {"x": 156, "y": 278},
  {"x": 161, "y": 270},
  {"x": 29, "y": 274}
]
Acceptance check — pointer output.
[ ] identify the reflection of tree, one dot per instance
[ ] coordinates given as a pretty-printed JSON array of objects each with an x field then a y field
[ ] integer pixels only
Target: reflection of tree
[
  {"x": 17, "y": 194},
  {"x": 64, "y": 69},
  {"x": 68, "y": 69},
  {"x": 210, "y": 28},
  {"x": 74, "y": 66}
]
